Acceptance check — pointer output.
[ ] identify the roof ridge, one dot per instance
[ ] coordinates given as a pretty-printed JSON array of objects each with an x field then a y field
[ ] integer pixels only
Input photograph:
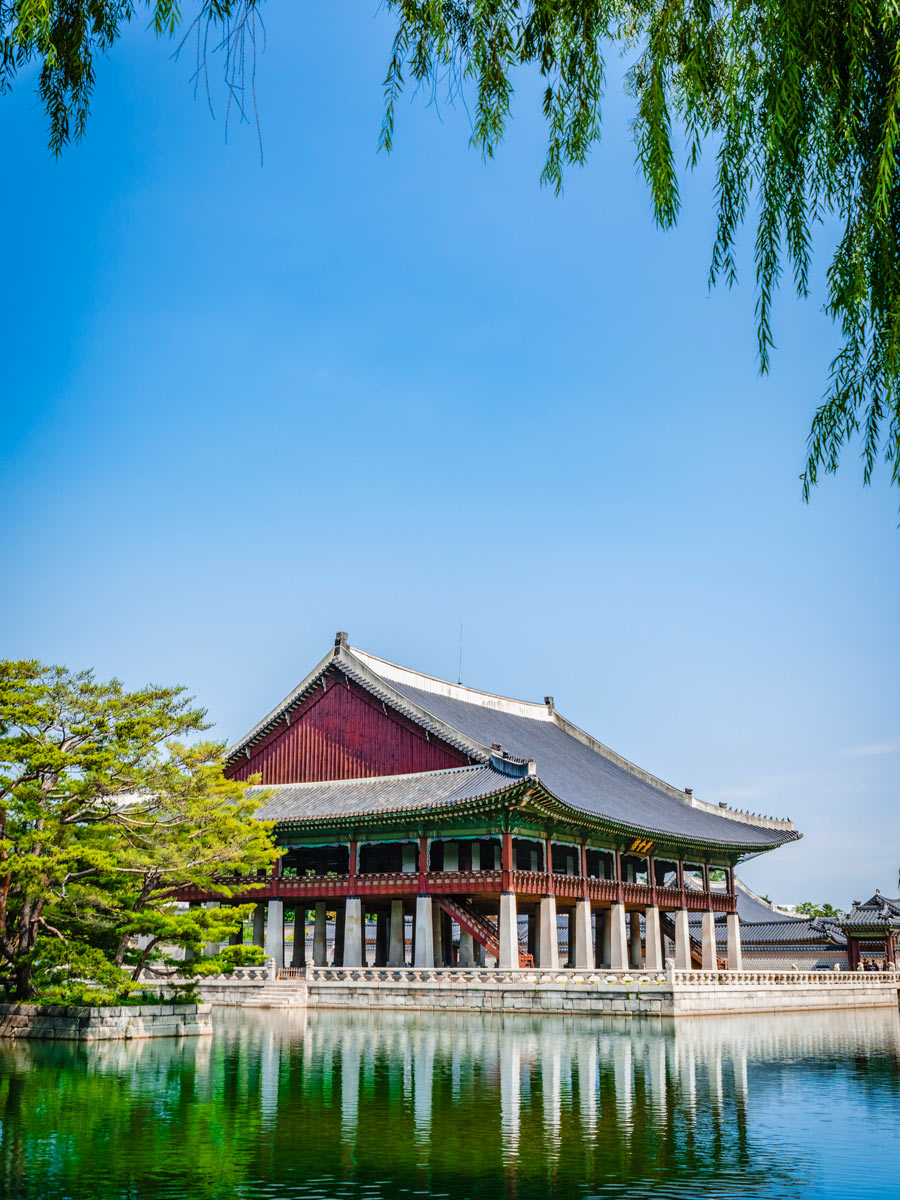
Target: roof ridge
[
  {"x": 547, "y": 712},
  {"x": 453, "y": 691}
]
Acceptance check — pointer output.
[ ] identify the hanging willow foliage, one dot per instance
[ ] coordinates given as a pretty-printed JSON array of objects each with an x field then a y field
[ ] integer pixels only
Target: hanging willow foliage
[{"x": 798, "y": 99}]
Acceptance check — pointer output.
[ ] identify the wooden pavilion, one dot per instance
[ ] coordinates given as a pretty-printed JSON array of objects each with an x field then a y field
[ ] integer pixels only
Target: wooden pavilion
[{"x": 399, "y": 795}]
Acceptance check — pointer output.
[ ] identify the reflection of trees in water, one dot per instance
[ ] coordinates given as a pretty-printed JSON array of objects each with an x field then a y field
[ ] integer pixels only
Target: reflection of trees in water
[{"x": 458, "y": 1104}]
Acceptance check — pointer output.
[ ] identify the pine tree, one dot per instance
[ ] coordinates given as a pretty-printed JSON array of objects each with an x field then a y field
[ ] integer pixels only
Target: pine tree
[{"x": 104, "y": 815}]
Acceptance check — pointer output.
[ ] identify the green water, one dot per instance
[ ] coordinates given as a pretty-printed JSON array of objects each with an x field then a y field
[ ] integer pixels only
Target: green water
[{"x": 381, "y": 1105}]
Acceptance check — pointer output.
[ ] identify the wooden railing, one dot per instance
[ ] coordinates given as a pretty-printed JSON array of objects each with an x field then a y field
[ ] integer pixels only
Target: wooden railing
[{"x": 399, "y": 884}]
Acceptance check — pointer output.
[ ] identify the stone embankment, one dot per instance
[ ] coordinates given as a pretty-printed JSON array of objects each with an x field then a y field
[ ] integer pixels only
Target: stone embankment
[
  {"x": 668, "y": 993},
  {"x": 75, "y": 1023}
]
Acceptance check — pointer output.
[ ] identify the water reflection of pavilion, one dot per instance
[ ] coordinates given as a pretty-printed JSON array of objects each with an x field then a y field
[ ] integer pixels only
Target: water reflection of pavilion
[
  {"x": 351, "y": 1104},
  {"x": 645, "y": 1102}
]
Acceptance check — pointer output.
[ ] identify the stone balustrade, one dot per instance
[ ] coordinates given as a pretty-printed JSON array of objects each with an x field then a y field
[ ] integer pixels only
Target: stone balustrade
[{"x": 767, "y": 979}]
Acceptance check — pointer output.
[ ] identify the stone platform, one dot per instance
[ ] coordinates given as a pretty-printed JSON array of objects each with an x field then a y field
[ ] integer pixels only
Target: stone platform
[{"x": 75, "y": 1023}]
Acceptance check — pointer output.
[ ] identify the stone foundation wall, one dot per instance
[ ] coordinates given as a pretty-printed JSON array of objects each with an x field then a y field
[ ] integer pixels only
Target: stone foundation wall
[
  {"x": 506, "y": 998},
  {"x": 73, "y": 1023},
  {"x": 699, "y": 1000}
]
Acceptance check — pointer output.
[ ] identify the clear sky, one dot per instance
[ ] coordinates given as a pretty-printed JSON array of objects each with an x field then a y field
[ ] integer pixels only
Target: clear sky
[{"x": 245, "y": 406}]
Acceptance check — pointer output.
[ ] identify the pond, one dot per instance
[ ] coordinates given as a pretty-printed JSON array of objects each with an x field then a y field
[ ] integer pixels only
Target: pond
[{"x": 380, "y": 1105}]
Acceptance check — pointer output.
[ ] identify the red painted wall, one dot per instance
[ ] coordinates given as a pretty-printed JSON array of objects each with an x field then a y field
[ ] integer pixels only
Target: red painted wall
[{"x": 343, "y": 733}]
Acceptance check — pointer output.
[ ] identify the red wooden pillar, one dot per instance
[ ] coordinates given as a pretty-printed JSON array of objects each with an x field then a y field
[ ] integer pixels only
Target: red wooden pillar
[
  {"x": 423, "y": 865},
  {"x": 651, "y": 877},
  {"x": 506, "y": 861},
  {"x": 853, "y": 952},
  {"x": 706, "y": 882},
  {"x": 620, "y": 891},
  {"x": 548, "y": 865},
  {"x": 354, "y": 858},
  {"x": 584, "y": 870}
]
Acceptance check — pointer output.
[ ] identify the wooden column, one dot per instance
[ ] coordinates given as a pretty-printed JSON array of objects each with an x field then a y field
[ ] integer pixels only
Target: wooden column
[
  {"x": 354, "y": 860},
  {"x": 423, "y": 870},
  {"x": 506, "y": 861},
  {"x": 584, "y": 871},
  {"x": 548, "y": 865}
]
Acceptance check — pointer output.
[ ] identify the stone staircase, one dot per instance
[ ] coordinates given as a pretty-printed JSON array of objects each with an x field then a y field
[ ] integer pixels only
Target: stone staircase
[{"x": 285, "y": 993}]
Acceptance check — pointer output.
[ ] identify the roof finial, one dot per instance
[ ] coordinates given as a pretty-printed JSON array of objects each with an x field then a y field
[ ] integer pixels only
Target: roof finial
[
  {"x": 548, "y": 700},
  {"x": 340, "y": 639}
]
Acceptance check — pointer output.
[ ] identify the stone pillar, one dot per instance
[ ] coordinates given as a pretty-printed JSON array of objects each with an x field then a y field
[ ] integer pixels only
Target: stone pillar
[
  {"x": 466, "y": 949},
  {"x": 509, "y": 932},
  {"x": 653, "y": 938},
  {"x": 636, "y": 958},
  {"x": 423, "y": 955},
  {"x": 570, "y": 957},
  {"x": 274, "y": 946},
  {"x": 582, "y": 955},
  {"x": 298, "y": 955},
  {"x": 337, "y": 952},
  {"x": 604, "y": 937},
  {"x": 320, "y": 935},
  {"x": 381, "y": 939},
  {"x": 548, "y": 947},
  {"x": 618, "y": 944},
  {"x": 437, "y": 926},
  {"x": 397, "y": 949},
  {"x": 735, "y": 955},
  {"x": 259, "y": 925},
  {"x": 479, "y": 955},
  {"x": 682, "y": 941},
  {"x": 709, "y": 941},
  {"x": 354, "y": 933}
]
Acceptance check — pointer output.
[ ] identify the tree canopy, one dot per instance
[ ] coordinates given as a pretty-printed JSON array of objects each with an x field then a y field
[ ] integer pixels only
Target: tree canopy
[
  {"x": 104, "y": 816},
  {"x": 798, "y": 100},
  {"x": 810, "y": 909}
]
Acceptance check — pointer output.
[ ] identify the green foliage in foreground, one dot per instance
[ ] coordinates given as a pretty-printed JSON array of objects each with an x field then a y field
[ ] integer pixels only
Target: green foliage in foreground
[
  {"x": 104, "y": 817},
  {"x": 799, "y": 100}
]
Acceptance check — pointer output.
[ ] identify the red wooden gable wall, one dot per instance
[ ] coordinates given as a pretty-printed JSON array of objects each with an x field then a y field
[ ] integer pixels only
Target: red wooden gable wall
[{"x": 342, "y": 732}]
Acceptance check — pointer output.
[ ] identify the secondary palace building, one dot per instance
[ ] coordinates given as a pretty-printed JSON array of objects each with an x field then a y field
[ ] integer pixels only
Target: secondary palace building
[{"x": 468, "y": 823}]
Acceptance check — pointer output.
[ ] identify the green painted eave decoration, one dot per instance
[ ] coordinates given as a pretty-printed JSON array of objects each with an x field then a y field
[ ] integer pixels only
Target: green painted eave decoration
[{"x": 527, "y": 797}]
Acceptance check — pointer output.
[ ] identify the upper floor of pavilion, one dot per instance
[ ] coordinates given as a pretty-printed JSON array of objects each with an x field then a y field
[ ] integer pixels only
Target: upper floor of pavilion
[{"x": 363, "y": 741}]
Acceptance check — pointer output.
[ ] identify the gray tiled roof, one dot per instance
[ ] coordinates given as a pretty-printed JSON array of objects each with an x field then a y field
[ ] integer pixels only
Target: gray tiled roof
[
  {"x": 574, "y": 768},
  {"x": 753, "y": 909},
  {"x": 792, "y": 931},
  {"x": 877, "y": 912},
  {"x": 382, "y": 794},
  {"x": 587, "y": 780}
]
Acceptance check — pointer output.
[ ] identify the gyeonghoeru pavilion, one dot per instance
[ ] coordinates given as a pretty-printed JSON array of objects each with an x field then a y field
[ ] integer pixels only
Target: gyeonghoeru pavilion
[{"x": 439, "y": 809}]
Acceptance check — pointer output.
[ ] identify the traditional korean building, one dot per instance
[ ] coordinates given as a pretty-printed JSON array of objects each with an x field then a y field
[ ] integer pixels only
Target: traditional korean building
[
  {"x": 773, "y": 940},
  {"x": 481, "y": 818},
  {"x": 872, "y": 930}
]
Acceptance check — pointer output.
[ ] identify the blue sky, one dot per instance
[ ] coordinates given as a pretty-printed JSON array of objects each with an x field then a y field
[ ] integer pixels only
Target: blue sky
[{"x": 244, "y": 406}]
